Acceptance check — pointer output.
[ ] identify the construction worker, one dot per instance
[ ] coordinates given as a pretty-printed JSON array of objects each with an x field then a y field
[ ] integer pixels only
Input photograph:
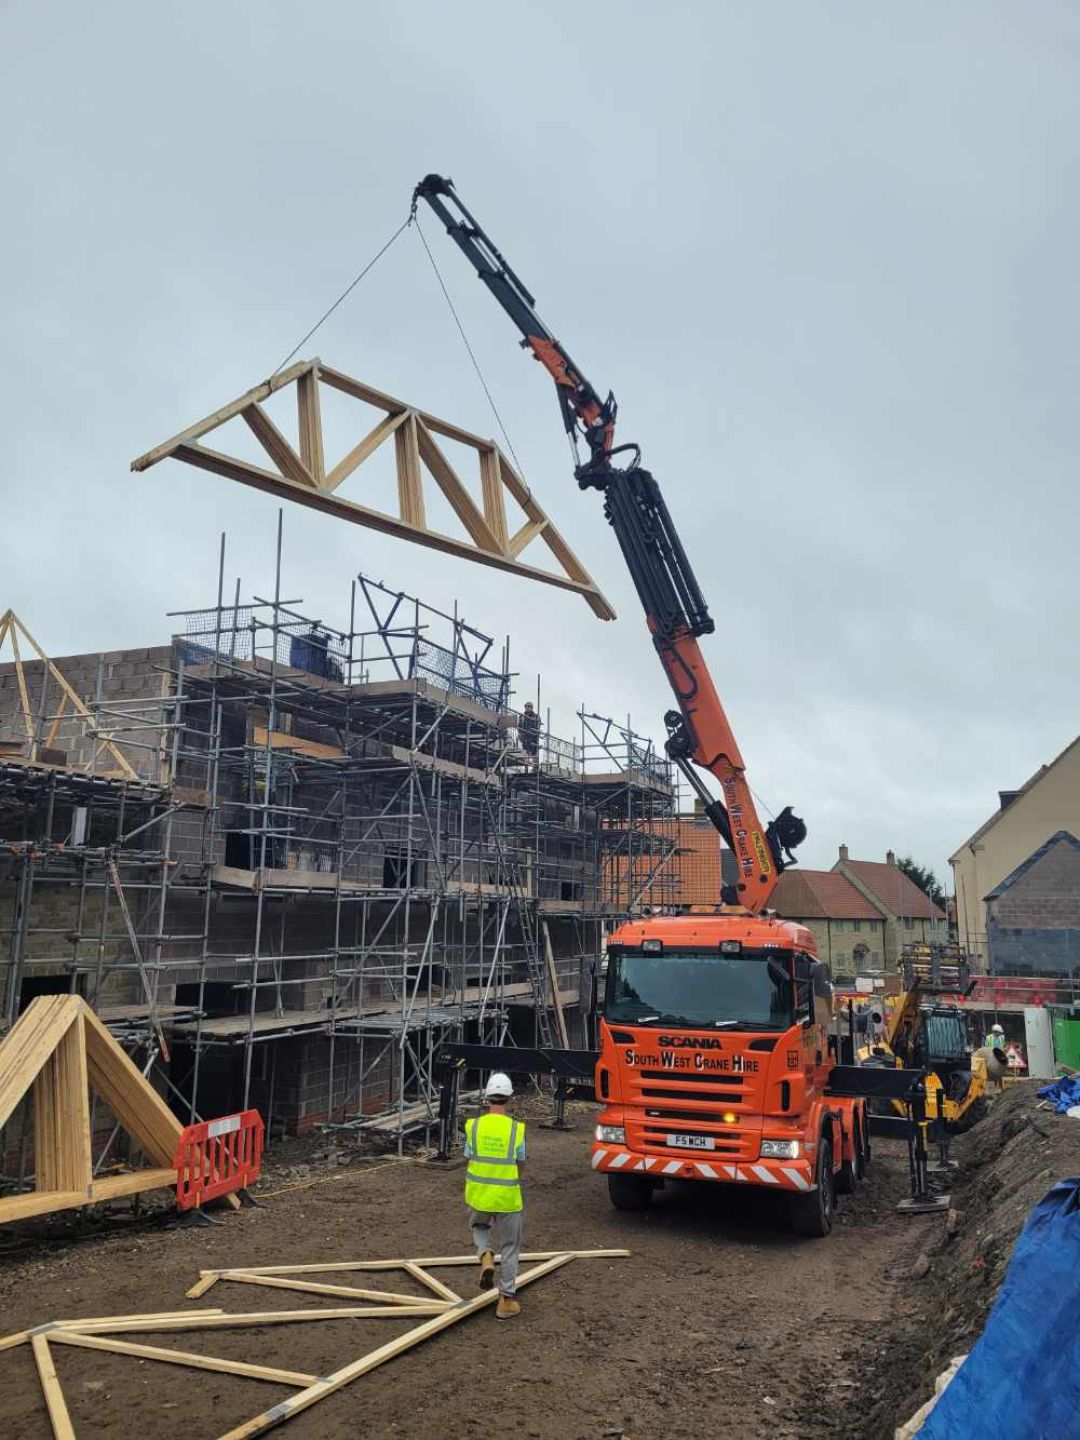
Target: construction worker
[
  {"x": 495, "y": 1150},
  {"x": 529, "y": 729},
  {"x": 996, "y": 1038}
]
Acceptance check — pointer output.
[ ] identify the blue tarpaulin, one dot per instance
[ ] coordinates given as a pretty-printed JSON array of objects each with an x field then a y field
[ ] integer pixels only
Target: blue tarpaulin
[
  {"x": 1022, "y": 1378},
  {"x": 1063, "y": 1094}
]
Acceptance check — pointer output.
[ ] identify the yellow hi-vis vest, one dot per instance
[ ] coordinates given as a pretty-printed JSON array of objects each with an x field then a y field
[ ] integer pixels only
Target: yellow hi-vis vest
[{"x": 491, "y": 1181}]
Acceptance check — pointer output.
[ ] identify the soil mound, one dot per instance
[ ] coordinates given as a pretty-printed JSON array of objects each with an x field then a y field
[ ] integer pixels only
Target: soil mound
[{"x": 1007, "y": 1163}]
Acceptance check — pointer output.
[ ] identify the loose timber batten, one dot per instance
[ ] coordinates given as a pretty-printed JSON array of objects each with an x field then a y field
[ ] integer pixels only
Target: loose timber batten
[
  {"x": 301, "y": 475},
  {"x": 57, "y": 1052}
]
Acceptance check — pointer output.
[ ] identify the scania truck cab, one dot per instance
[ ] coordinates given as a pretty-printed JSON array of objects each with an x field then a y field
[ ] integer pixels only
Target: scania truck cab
[{"x": 714, "y": 1065}]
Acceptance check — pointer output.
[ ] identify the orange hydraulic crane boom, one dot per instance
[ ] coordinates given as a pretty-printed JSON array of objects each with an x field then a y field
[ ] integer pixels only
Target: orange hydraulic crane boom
[{"x": 698, "y": 732}]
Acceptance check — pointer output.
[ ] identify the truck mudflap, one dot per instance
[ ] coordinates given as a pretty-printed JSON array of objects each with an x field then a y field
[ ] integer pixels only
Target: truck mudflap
[{"x": 786, "y": 1174}]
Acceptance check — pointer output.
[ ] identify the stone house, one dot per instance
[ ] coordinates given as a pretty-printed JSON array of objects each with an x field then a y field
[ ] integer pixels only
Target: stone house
[
  {"x": 907, "y": 913},
  {"x": 848, "y": 928},
  {"x": 862, "y": 912}
]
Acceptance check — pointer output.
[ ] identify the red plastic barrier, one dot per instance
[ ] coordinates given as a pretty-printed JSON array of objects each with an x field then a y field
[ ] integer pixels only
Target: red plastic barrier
[{"x": 217, "y": 1157}]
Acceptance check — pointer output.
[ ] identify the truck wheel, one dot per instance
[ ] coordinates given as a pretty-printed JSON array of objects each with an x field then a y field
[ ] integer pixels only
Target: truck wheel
[
  {"x": 812, "y": 1214},
  {"x": 629, "y": 1192},
  {"x": 851, "y": 1172}
]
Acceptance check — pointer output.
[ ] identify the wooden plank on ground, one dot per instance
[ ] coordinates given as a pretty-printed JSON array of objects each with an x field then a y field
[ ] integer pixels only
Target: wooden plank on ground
[
  {"x": 388, "y": 1297},
  {"x": 50, "y": 1387},
  {"x": 428, "y": 1261},
  {"x": 236, "y": 1320},
  {"x": 443, "y": 1291},
  {"x": 184, "y": 1357}
]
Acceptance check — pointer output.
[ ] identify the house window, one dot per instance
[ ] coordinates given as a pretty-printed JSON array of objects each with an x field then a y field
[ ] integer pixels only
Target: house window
[
  {"x": 838, "y": 927},
  {"x": 856, "y": 925},
  {"x": 909, "y": 923}
]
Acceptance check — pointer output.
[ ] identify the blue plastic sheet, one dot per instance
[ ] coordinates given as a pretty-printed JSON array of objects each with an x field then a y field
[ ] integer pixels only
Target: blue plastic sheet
[
  {"x": 1063, "y": 1093},
  {"x": 1022, "y": 1378}
]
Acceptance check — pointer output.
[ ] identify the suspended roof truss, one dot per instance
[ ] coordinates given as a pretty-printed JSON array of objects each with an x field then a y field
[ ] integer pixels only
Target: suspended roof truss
[{"x": 300, "y": 473}]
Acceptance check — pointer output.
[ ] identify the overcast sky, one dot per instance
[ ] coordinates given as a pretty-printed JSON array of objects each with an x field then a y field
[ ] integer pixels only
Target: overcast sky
[{"x": 824, "y": 253}]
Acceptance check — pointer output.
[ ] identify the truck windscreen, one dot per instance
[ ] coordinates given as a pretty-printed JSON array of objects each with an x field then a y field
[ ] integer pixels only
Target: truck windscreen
[{"x": 700, "y": 989}]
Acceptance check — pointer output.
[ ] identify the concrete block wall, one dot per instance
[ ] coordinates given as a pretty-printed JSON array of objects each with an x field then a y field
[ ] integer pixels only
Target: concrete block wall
[
  {"x": 48, "y": 950},
  {"x": 1047, "y": 896},
  {"x": 1034, "y": 925},
  {"x": 122, "y": 675},
  {"x": 302, "y": 1080}
]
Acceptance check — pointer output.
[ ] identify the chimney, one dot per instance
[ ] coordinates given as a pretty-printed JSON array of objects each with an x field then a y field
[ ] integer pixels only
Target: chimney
[
  {"x": 699, "y": 806},
  {"x": 843, "y": 852},
  {"x": 890, "y": 857}
]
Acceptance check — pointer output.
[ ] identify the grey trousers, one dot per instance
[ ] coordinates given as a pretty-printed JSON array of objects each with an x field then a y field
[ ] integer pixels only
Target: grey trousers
[{"x": 508, "y": 1228}]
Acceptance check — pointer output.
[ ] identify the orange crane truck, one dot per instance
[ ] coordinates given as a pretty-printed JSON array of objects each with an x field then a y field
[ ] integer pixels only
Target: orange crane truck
[{"x": 714, "y": 1058}]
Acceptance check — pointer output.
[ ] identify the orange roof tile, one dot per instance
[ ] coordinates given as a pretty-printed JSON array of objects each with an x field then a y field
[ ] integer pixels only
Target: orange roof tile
[
  {"x": 894, "y": 889},
  {"x": 820, "y": 895}
]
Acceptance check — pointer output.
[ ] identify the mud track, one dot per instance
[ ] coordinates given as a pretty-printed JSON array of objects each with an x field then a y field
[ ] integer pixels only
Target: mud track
[{"x": 722, "y": 1323}]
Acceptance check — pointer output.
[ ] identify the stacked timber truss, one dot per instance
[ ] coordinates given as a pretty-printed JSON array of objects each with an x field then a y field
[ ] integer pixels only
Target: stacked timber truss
[{"x": 284, "y": 861}]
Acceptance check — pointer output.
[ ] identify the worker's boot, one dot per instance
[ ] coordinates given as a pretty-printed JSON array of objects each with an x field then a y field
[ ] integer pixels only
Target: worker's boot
[
  {"x": 507, "y": 1308},
  {"x": 487, "y": 1270}
]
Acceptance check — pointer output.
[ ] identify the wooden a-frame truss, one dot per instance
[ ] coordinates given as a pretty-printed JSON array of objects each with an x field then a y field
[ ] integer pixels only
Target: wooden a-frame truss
[
  {"x": 11, "y": 628},
  {"x": 302, "y": 475},
  {"x": 436, "y": 1310},
  {"x": 58, "y": 1051}
]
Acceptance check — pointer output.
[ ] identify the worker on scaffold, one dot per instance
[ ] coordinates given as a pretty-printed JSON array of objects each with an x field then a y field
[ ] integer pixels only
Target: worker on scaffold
[
  {"x": 529, "y": 730},
  {"x": 495, "y": 1150}
]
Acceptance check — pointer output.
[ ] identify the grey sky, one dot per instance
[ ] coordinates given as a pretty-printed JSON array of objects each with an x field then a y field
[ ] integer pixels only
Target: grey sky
[{"x": 825, "y": 254}]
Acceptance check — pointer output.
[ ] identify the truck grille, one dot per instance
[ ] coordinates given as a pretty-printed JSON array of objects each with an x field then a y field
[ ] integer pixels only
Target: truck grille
[
  {"x": 684, "y": 1077},
  {"x": 724, "y": 1097}
]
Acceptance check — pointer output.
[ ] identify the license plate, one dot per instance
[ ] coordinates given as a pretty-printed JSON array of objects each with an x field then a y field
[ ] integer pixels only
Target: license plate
[{"x": 692, "y": 1142}]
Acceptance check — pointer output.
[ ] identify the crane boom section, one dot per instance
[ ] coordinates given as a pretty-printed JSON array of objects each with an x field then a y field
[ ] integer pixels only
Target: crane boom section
[{"x": 699, "y": 733}]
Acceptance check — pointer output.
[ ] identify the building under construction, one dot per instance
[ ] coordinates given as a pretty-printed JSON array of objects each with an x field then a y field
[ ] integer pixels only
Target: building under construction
[{"x": 284, "y": 861}]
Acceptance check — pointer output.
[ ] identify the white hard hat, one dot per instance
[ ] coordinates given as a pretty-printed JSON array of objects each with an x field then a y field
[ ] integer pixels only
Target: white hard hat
[
  {"x": 996, "y": 1030},
  {"x": 498, "y": 1087}
]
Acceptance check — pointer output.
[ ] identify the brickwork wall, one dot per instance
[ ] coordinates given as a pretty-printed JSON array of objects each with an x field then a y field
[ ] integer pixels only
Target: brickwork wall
[{"x": 697, "y": 865}]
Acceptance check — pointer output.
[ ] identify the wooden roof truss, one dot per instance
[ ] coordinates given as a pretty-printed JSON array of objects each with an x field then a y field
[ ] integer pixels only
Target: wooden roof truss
[
  {"x": 301, "y": 473},
  {"x": 69, "y": 704}
]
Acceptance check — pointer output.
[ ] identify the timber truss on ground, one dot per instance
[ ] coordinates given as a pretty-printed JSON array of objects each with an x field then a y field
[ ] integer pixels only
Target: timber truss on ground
[{"x": 436, "y": 1307}]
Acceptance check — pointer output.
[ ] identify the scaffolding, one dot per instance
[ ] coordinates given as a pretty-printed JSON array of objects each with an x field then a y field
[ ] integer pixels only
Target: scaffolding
[{"x": 339, "y": 838}]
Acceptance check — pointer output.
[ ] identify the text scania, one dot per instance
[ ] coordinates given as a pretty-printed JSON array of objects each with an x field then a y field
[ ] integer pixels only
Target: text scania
[{"x": 691, "y": 1042}]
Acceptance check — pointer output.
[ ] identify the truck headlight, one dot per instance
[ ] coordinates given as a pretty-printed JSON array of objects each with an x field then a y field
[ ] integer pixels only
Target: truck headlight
[
  {"x": 779, "y": 1149},
  {"x": 611, "y": 1134}
]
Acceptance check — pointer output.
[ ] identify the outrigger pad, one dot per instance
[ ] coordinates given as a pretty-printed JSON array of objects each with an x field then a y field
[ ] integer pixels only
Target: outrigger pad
[{"x": 924, "y": 1204}]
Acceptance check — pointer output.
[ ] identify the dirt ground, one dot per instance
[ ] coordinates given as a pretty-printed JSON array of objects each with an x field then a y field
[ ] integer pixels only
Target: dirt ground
[{"x": 721, "y": 1324}]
